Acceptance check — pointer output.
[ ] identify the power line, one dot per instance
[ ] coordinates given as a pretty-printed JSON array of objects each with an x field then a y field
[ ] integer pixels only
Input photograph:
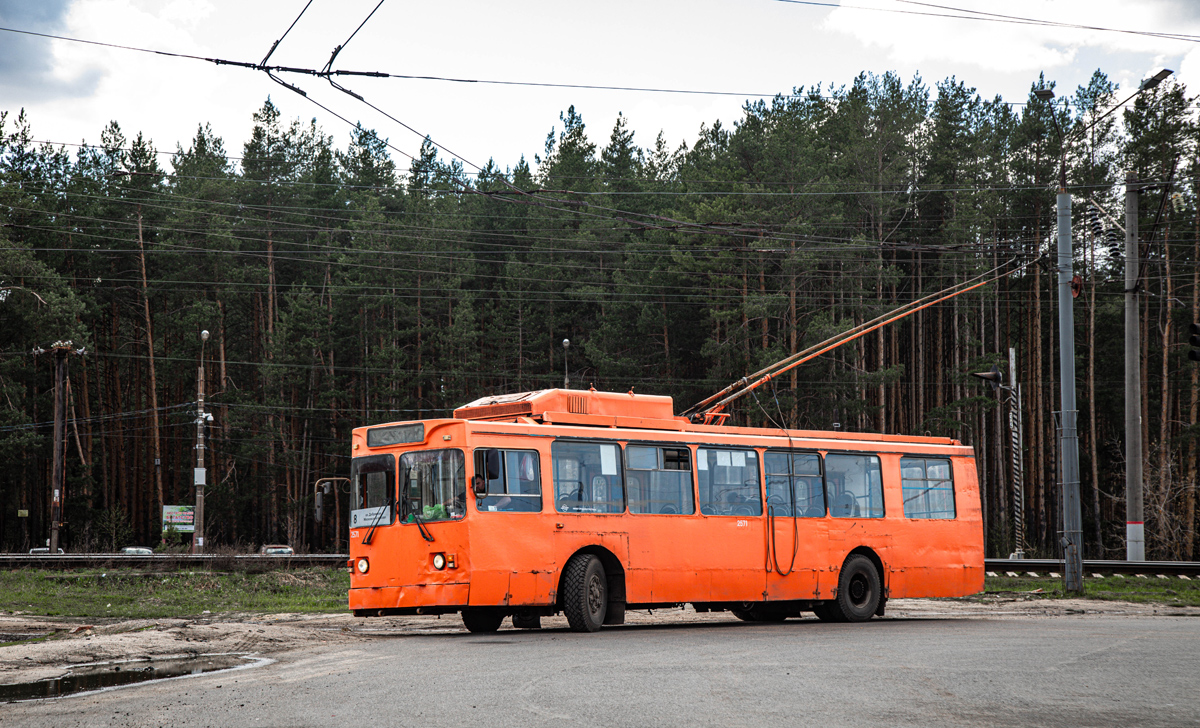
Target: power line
[{"x": 992, "y": 18}]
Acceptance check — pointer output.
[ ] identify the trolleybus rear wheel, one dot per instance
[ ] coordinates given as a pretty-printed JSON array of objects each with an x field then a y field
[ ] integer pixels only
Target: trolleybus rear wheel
[
  {"x": 585, "y": 593},
  {"x": 858, "y": 590},
  {"x": 482, "y": 619}
]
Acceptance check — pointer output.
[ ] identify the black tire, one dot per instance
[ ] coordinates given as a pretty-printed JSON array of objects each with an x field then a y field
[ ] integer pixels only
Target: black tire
[
  {"x": 527, "y": 621},
  {"x": 585, "y": 593},
  {"x": 859, "y": 590},
  {"x": 482, "y": 619}
]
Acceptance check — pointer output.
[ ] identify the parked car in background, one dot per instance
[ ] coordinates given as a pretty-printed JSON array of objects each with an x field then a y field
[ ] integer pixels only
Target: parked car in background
[
  {"x": 44, "y": 550},
  {"x": 276, "y": 549},
  {"x": 137, "y": 551}
]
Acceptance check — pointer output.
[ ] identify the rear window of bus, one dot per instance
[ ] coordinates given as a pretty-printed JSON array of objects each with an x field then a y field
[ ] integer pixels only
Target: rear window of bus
[
  {"x": 927, "y": 488},
  {"x": 587, "y": 477}
]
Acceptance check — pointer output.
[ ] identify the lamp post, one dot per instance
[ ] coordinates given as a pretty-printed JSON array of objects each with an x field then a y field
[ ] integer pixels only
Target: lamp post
[
  {"x": 1072, "y": 518},
  {"x": 200, "y": 473},
  {"x": 1017, "y": 442},
  {"x": 566, "y": 371}
]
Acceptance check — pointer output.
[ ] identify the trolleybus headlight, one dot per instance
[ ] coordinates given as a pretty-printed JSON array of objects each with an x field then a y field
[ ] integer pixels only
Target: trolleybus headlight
[
  {"x": 363, "y": 566},
  {"x": 439, "y": 562}
]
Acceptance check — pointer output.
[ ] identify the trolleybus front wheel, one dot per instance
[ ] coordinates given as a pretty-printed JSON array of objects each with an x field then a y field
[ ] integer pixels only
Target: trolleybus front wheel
[
  {"x": 585, "y": 593},
  {"x": 858, "y": 592},
  {"x": 482, "y": 619}
]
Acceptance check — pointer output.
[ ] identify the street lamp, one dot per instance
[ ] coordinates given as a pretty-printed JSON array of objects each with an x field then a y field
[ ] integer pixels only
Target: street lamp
[
  {"x": 1072, "y": 526},
  {"x": 566, "y": 371}
]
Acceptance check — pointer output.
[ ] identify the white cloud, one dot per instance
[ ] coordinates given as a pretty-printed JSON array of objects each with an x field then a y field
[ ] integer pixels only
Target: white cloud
[{"x": 913, "y": 38}]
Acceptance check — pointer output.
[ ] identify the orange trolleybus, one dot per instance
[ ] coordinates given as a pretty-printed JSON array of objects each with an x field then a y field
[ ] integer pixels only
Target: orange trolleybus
[{"x": 591, "y": 503}]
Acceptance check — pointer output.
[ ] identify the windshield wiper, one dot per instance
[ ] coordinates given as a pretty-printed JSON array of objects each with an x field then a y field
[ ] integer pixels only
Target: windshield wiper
[
  {"x": 367, "y": 539},
  {"x": 405, "y": 505}
]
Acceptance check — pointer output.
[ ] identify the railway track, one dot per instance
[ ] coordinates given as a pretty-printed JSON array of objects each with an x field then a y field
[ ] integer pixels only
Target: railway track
[
  {"x": 171, "y": 562},
  {"x": 1053, "y": 568},
  {"x": 1042, "y": 568}
]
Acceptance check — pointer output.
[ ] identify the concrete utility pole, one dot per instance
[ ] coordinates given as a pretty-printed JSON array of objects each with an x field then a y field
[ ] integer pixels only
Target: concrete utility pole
[
  {"x": 57, "y": 480},
  {"x": 1135, "y": 535},
  {"x": 201, "y": 473},
  {"x": 1072, "y": 541}
]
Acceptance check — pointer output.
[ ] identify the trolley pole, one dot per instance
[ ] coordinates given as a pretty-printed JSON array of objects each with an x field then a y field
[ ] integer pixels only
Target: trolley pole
[
  {"x": 200, "y": 472},
  {"x": 1135, "y": 536},
  {"x": 58, "y": 478}
]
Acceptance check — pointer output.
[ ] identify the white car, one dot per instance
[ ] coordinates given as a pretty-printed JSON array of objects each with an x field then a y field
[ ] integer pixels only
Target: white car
[
  {"x": 44, "y": 550},
  {"x": 137, "y": 551},
  {"x": 276, "y": 550}
]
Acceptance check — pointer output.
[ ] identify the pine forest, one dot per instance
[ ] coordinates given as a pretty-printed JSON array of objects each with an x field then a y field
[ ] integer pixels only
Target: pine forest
[{"x": 345, "y": 284}]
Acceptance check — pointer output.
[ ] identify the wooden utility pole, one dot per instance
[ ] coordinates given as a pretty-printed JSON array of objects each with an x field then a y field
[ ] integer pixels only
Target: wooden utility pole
[{"x": 61, "y": 349}]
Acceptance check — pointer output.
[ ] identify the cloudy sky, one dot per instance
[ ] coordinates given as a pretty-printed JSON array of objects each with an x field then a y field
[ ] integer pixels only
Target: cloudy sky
[{"x": 740, "y": 47}]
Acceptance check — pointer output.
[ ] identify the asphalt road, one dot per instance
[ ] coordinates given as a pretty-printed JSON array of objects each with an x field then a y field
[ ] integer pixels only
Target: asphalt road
[{"x": 1068, "y": 671}]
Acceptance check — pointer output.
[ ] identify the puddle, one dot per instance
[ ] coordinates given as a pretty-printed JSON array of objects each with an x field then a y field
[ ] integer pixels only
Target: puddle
[
  {"x": 11, "y": 637},
  {"x": 100, "y": 675}
]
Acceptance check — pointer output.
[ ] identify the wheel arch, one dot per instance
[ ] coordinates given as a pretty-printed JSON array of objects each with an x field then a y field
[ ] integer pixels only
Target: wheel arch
[
  {"x": 614, "y": 576},
  {"x": 879, "y": 569}
]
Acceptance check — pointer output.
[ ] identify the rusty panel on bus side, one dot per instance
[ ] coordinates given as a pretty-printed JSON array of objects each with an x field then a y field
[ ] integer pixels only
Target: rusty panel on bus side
[
  {"x": 513, "y": 562},
  {"x": 798, "y": 559},
  {"x": 680, "y": 558},
  {"x": 941, "y": 557}
]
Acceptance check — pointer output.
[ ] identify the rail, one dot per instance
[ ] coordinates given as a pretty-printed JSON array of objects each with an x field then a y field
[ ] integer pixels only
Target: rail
[
  {"x": 170, "y": 562},
  {"x": 1043, "y": 567}
]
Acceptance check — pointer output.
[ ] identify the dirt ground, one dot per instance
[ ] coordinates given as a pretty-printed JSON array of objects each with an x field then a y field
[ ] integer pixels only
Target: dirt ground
[{"x": 57, "y": 643}]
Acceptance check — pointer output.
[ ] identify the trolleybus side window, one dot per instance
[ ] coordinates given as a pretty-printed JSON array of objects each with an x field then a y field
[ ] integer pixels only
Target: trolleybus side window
[
  {"x": 927, "y": 488},
  {"x": 433, "y": 485},
  {"x": 514, "y": 480},
  {"x": 855, "y": 484},
  {"x": 587, "y": 477},
  {"x": 794, "y": 484},
  {"x": 373, "y": 480},
  {"x": 728, "y": 482},
  {"x": 659, "y": 479}
]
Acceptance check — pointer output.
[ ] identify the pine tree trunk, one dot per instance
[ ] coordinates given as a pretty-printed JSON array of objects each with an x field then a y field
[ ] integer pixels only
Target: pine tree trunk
[{"x": 153, "y": 386}]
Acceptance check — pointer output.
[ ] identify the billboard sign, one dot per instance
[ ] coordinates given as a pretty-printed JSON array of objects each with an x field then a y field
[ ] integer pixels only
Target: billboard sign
[{"x": 181, "y": 519}]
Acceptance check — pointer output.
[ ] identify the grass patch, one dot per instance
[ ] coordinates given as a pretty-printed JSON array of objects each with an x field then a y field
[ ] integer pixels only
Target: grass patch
[
  {"x": 1173, "y": 591},
  {"x": 133, "y": 595}
]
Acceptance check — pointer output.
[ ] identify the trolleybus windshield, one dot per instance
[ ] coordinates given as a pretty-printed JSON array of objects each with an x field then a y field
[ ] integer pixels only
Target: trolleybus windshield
[{"x": 433, "y": 485}]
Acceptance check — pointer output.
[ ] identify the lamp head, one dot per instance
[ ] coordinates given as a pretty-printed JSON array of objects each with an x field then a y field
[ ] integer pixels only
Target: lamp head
[
  {"x": 1045, "y": 94},
  {"x": 204, "y": 335},
  {"x": 994, "y": 377},
  {"x": 1151, "y": 82},
  {"x": 566, "y": 343}
]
